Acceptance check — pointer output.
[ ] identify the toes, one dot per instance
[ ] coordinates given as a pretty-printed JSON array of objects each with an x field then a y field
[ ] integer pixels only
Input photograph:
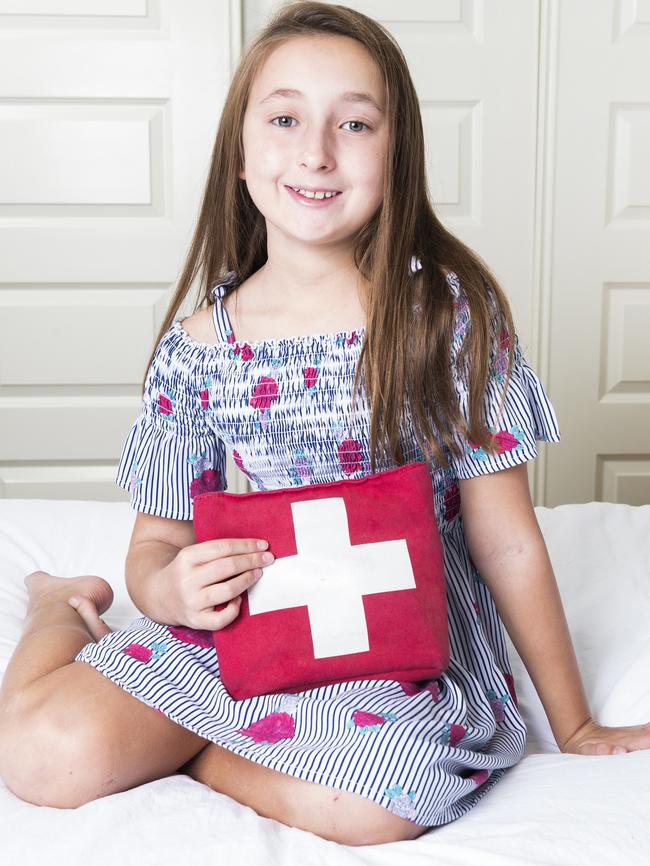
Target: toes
[{"x": 88, "y": 612}]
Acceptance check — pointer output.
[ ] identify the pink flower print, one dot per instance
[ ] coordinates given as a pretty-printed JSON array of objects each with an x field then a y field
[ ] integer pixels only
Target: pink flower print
[
  {"x": 411, "y": 689},
  {"x": 204, "y": 394},
  {"x": 194, "y": 636},
  {"x": 137, "y": 651},
  {"x": 401, "y": 804},
  {"x": 477, "y": 776},
  {"x": 510, "y": 682},
  {"x": 476, "y": 606},
  {"x": 247, "y": 353},
  {"x": 451, "y": 501},
  {"x": 452, "y": 734},
  {"x": 354, "y": 338},
  {"x": 230, "y": 337},
  {"x": 350, "y": 456},
  {"x": 433, "y": 688},
  {"x": 506, "y": 441},
  {"x": 208, "y": 482},
  {"x": 369, "y": 721},
  {"x": 311, "y": 376},
  {"x": 270, "y": 729},
  {"x": 497, "y": 704},
  {"x": 361, "y": 718},
  {"x": 498, "y": 369},
  {"x": 265, "y": 392},
  {"x": 240, "y": 463},
  {"x": 166, "y": 404}
]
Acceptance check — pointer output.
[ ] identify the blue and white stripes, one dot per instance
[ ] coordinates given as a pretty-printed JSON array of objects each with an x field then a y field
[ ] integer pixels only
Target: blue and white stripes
[{"x": 282, "y": 407}]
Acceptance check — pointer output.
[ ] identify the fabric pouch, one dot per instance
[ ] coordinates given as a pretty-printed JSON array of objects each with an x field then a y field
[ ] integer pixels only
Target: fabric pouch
[{"x": 356, "y": 590}]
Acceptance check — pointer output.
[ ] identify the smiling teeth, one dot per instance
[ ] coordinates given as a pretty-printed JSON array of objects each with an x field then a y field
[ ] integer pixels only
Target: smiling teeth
[{"x": 309, "y": 194}]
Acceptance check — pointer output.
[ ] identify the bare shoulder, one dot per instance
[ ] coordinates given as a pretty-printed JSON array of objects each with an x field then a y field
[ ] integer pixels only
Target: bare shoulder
[{"x": 200, "y": 326}]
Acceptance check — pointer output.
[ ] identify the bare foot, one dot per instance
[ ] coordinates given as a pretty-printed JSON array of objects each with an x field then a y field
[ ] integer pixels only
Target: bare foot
[{"x": 95, "y": 596}]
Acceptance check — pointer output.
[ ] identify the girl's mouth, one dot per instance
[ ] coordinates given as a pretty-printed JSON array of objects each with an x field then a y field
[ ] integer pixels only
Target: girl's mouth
[{"x": 312, "y": 201}]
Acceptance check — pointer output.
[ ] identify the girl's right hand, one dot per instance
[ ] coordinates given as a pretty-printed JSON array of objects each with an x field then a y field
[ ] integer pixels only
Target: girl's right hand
[{"x": 207, "y": 574}]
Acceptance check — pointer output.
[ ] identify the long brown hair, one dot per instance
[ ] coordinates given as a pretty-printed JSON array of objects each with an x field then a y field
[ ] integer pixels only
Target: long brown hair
[{"x": 405, "y": 356}]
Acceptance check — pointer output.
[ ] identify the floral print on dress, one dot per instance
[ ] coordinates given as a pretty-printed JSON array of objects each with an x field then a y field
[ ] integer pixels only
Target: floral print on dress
[
  {"x": 239, "y": 463},
  {"x": 271, "y": 729},
  {"x": 452, "y": 734},
  {"x": 500, "y": 366},
  {"x": 445, "y": 487},
  {"x": 401, "y": 803},
  {"x": 206, "y": 479},
  {"x": 166, "y": 404},
  {"x": 264, "y": 393},
  {"x": 204, "y": 394},
  {"x": 369, "y": 722},
  {"x": 301, "y": 471},
  {"x": 195, "y": 636},
  {"x": 506, "y": 440},
  {"x": 510, "y": 682},
  {"x": 344, "y": 340},
  {"x": 241, "y": 352},
  {"x": 350, "y": 456},
  {"x": 433, "y": 688},
  {"x": 134, "y": 479},
  {"x": 310, "y": 377},
  {"x": 477, "y": 776},
  {"x": 497, "y": 703},
  {"x": 138, "y": 652}
]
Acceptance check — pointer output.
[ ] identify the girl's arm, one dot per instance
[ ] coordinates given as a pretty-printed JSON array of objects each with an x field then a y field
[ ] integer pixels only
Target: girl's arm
[
  {"x": 508, "y": 549},
  {"x": 155, "y": 542}
]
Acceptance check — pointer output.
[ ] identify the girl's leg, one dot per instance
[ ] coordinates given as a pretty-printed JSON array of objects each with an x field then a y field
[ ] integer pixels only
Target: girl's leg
[{"x": 68, "y": 734}]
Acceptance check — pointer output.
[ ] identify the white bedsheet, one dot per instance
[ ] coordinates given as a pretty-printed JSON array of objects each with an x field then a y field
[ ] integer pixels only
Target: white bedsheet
[{"x": 549, "y": 809}]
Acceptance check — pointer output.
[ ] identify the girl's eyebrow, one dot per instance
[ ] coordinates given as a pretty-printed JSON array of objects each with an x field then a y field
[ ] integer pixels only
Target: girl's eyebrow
[{"x": 348, "y": 96}]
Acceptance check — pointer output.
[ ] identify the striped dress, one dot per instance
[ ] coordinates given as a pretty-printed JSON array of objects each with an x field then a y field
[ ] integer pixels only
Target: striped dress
[{"x": 426, "y": 751}]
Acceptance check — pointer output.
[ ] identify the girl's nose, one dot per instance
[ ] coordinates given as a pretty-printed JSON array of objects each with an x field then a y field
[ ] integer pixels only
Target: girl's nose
[{"x": 316, "y": 152}]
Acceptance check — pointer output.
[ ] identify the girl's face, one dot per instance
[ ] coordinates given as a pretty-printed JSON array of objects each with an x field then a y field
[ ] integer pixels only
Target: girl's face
[{"x": 323, "y": 137}]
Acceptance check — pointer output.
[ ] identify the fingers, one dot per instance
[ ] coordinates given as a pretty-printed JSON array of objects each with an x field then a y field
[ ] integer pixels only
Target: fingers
[
  {"x": 215, "y": 620},
  {"x": 218, "y": 548},
  {"x": 228, "y": 567}
]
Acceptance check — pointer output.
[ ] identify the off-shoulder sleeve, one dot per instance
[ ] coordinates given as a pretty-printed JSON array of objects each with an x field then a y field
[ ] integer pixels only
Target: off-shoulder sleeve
[
  {"x": 527, "y": 415},
  {"x": 171, "y": 453}
]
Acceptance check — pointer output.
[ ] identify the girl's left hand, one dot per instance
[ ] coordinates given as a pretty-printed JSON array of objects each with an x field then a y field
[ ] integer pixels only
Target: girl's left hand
[{"x": 595, "y": 739}]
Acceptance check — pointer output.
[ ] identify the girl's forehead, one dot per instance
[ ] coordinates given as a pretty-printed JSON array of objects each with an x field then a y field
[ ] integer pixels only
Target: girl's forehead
[{"x": 318, "y": 64}]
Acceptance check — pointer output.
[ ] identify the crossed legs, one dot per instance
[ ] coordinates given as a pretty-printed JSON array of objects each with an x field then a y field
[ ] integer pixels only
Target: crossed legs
[{"x": 70, "y": 735}]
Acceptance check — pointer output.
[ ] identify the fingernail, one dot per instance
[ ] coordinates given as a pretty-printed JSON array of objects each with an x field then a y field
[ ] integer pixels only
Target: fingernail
[
  {"x": 74, "y": 601},
  {"x": 262, "y": 544}
]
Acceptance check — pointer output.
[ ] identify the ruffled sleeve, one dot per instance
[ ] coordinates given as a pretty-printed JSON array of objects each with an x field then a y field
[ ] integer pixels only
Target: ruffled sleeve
[
  {"x": 527, "y": 415},
  {"x": 171, "y": 453}
]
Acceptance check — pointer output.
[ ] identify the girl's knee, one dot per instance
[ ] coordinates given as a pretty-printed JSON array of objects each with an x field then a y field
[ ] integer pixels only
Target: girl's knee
[{"x": 47, "y": 766}]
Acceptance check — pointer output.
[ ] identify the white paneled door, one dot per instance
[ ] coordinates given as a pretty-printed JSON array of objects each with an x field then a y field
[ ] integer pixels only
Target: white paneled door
[
  {"x": 599, "y": 334},
  {"x": 108, "y": 111}
]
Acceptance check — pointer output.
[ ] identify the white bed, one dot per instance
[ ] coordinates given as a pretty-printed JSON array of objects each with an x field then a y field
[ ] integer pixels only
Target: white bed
[{"x": 549, "y": 809}]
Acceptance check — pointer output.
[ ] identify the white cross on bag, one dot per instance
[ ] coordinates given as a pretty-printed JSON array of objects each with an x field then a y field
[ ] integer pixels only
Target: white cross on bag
[{"x": 331, "y": 576}]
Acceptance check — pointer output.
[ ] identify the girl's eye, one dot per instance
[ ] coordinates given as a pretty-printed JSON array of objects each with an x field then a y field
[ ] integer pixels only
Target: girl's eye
[{"x": 288, "y": 117}]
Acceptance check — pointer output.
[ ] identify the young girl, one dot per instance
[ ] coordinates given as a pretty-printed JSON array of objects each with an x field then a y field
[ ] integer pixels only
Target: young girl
[{"x": 322, "y": 264}]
